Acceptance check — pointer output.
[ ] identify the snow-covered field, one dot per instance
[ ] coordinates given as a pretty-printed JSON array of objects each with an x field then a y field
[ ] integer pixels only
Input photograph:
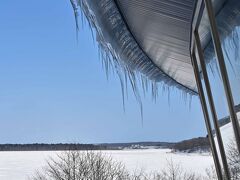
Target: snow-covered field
[{"x": 20, "y": 165}]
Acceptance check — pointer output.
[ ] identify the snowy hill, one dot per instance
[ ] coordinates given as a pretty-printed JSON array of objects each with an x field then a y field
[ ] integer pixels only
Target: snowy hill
[{"x": 227, "y": 133}]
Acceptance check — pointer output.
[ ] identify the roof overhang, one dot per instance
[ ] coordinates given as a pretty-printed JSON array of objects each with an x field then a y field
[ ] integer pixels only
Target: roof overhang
[{"x": 153, "y": 37}]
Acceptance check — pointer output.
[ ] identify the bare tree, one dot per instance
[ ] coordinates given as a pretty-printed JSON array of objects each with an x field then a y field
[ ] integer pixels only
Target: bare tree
[
  {"x": 85, "y": 165},
  {"x": 211, "y": 174},
  {"x": 89, "y": 165},
  {"x": 234, "y": 160},
  {"x": 174, "y": 171}
]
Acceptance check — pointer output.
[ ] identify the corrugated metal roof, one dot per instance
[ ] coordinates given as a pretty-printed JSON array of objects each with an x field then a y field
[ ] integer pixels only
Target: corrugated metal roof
[
  {"x": 162, "y": 29},
  {"x": 153, "y": 36}
]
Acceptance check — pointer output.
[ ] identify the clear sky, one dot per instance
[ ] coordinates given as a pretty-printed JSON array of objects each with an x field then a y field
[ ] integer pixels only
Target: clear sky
[{"x": 53, "y": 89}]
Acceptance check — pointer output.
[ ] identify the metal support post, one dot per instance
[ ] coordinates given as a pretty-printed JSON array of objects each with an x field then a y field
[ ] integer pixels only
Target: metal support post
[
  {"x": 206, "y": 117},
  {"x": 212, "y": 106}
]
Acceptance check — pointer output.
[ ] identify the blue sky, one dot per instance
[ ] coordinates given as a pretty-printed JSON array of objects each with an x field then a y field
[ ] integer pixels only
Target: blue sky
[{"x": 54, "y": 89}]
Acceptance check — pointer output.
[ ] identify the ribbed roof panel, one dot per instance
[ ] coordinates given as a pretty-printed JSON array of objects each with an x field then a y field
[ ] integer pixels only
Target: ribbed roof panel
[{"x": 162, "y": 29}]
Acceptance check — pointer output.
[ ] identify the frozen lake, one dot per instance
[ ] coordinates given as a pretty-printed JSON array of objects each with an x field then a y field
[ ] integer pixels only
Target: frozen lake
[{"x": 20, "y": 165}]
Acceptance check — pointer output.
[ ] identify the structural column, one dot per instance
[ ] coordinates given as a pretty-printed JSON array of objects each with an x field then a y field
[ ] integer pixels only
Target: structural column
[
  {"x": 223, "y": 71},
  {"x": 212, "y": 106},
  {"x": 206, "y": 117}
]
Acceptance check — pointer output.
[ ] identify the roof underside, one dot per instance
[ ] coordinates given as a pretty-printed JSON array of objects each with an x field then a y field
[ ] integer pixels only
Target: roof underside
[
  {"x": 162, "y": 29},
  {"x": 153, "y": 36}
]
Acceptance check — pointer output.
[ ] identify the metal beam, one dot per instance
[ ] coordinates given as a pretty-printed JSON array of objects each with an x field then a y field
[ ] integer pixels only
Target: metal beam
[
  {"x": 212, "y": 106},
  {"x": 206, "y": 116},
  {"x": 223, "y": 71},
  {"x": 197, "y": 23}
]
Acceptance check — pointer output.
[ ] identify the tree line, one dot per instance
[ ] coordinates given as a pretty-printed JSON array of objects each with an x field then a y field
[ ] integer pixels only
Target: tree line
[{"x": 50, "y": 147}]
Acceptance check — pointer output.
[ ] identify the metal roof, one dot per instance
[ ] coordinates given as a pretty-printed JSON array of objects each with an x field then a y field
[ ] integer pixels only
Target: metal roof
[
  {"x": 162, "y": 29},
  {"x": 153, "y": 37}
]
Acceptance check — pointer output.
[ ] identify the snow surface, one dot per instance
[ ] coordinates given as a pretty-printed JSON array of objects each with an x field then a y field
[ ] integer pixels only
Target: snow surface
[
  {"x": 227, "y": 134},
  {"x": 20, "y": 165}
]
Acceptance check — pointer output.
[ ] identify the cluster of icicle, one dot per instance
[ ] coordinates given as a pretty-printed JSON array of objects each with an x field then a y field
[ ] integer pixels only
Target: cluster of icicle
[
  {"x": 228, "y": 22},
  {"x": 120, "y": 52}
]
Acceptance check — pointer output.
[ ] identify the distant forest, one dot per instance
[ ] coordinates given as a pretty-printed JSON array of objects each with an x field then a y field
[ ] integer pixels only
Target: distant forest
[
  {"x": 49, "y": 147},
  {"x": 186, "y": 146}
]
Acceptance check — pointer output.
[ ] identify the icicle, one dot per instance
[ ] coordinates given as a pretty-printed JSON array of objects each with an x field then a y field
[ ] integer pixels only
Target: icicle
[{"x": 126, "y": 60}]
